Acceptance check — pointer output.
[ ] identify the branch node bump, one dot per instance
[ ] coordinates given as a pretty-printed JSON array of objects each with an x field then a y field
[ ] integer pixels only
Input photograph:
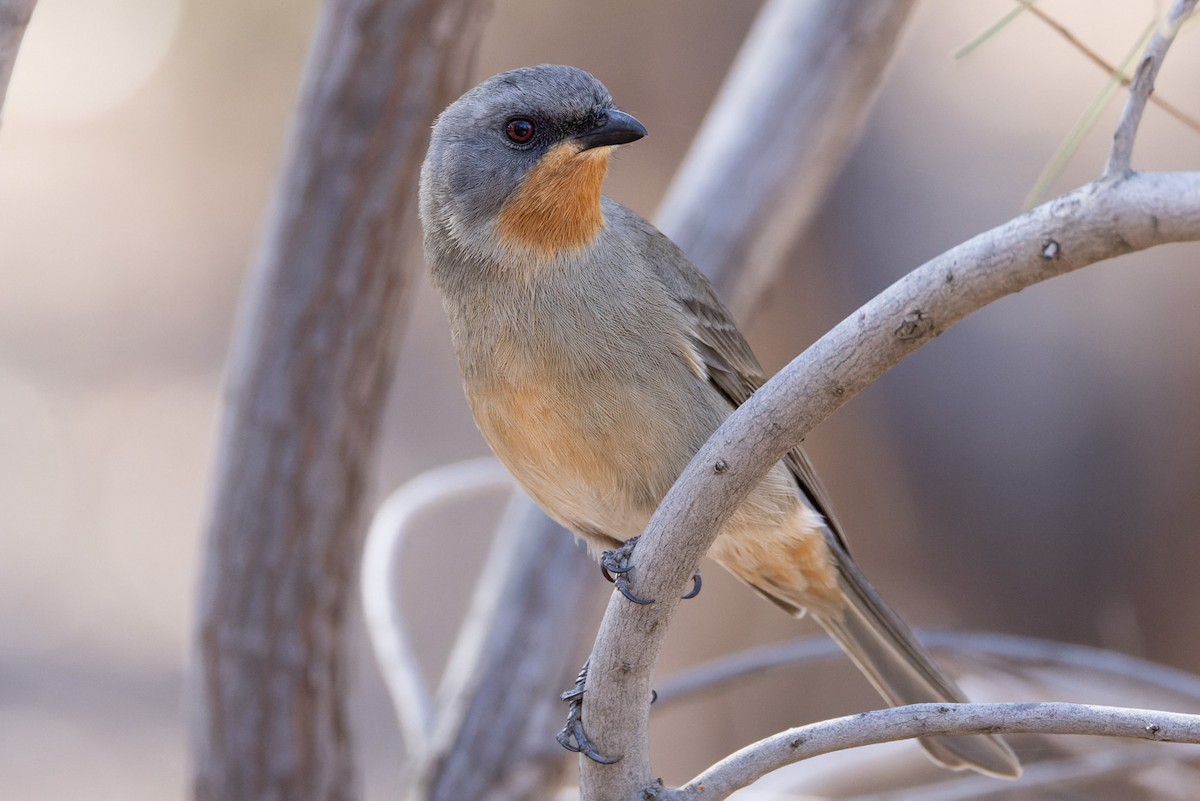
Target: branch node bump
[
  {"x": 916, "y": 325},
  {"x": 1051, "y": 250},
  {"x": 720, "y": 466}
]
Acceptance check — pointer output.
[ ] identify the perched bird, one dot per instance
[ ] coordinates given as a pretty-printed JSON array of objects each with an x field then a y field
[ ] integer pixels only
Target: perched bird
[{"x": 597, "y": 360}]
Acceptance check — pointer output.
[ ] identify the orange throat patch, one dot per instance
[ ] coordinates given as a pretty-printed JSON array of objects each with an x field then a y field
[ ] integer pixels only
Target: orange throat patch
[{"x": 557, "y": 206}]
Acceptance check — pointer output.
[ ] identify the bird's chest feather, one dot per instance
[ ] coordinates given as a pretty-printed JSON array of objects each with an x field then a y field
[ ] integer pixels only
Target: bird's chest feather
[
  {"x": 582, "y": 414},
  {"x": 552, "y": 415}
]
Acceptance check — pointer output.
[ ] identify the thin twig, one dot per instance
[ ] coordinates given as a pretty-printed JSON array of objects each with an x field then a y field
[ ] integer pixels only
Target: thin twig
[
  {"x": 1143, "y": 84},
  {"x": 922, "y": 720},
  {"x": 1083, "y": 126},
  {"x": 386, "y": 624},
  {"x": 1109, "y": 67}
]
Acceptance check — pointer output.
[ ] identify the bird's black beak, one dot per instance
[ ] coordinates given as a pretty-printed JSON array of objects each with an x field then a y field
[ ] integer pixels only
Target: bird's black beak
[{"x": 617, "y": 128}]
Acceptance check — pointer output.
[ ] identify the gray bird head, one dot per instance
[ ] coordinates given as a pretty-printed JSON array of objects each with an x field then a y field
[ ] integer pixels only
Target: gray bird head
[{"x": 552, "y": 121}]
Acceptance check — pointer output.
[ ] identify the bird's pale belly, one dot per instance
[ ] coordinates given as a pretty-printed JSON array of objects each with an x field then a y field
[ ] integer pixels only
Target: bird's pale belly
[{"x": 592, "y": 462}]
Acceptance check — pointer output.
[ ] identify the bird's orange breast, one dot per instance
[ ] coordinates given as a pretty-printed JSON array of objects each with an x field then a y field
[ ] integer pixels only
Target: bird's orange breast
[{"x": 557, "y": 205}]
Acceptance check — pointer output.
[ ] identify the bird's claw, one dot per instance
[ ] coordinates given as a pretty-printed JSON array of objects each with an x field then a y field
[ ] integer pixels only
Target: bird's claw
[
  {"x": 615, "y": 564},
  {"x": 572, "y": 736}
]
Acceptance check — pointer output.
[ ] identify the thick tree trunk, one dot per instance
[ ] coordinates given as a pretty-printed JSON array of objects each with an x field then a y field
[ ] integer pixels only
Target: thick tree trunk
[{"x": 309, "y": 370}]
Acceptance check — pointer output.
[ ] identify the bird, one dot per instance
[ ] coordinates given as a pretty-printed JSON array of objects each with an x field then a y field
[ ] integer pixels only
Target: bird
[{"x": 597, "y": 359}]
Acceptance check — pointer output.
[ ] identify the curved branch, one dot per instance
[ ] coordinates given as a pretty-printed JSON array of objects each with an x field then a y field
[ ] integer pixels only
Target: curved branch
[
  {"x": 1119, "y": 214},
  {"x": 386, "y": 622},
  {"x": 922, "y": 720},
  {"x": 1098, "y": 221}
]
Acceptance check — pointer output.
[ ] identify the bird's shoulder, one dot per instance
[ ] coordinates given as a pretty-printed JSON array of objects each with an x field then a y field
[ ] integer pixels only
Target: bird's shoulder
[{"x": 732, "y": 365}]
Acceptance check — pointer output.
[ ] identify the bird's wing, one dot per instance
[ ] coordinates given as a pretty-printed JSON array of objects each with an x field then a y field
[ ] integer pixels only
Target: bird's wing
[{"x": 732, "y": 367}]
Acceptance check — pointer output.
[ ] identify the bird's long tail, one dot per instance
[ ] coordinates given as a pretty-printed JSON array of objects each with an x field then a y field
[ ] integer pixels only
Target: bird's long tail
[{"x": 900, "y": 668}]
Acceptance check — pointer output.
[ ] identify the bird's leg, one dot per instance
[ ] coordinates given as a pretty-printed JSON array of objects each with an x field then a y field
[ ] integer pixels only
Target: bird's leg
[
  {"x": 615, "y": 565},
  {"x": 572, "y": 736}
]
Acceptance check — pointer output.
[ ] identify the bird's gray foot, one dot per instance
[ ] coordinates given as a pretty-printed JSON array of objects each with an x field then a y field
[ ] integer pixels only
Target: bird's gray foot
[
  {"x": 572, "y": 736},
  {"x": 615, "y": 565}
]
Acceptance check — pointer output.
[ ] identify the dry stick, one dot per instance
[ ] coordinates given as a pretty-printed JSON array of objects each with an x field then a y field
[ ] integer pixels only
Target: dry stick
[
  {"x": 519, "y": 645},
  {"x": 922, "y": 720},
  {"x": 1101, "y": 220},
  {"x": 1110, "y": 68},
  {"x": 309, "y": 370},
  {"x": 14, "y": 18},
  {"x": 1143, "y": 84},
  {"x": 383, "y": 564}
]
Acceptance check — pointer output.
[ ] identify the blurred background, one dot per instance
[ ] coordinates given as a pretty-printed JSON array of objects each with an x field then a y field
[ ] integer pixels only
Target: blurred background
[{"x": 1034, "y": 471}]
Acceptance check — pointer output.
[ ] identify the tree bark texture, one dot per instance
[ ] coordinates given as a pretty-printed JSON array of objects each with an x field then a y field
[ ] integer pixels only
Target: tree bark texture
[{"x": 309, "y": 370}]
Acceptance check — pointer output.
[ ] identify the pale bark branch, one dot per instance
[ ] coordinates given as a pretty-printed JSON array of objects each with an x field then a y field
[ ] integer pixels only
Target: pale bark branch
[
  {"x": 498, "y": 705},
  {"x": 922, "y": 720},
  {"x": 1143, "y": 84},
  {"x": 1099, "y": 221},
  {"x": 379, "y": 578},
  {"x": 1119, "y": 214},
  {"x": 14, "y": 18}
]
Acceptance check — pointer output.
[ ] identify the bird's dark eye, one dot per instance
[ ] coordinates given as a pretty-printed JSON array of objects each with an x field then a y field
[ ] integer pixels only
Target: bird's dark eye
[{"x": 519, "y": 130}]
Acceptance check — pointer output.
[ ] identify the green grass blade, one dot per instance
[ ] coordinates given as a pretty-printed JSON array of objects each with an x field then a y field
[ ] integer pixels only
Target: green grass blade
[
  {"x": 996, "y": 27},
  {"x": 1070, "y": 144}
]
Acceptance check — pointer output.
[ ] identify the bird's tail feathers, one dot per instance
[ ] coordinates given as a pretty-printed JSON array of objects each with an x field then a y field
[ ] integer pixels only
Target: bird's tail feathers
[{"x": 895, "y": 662}]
